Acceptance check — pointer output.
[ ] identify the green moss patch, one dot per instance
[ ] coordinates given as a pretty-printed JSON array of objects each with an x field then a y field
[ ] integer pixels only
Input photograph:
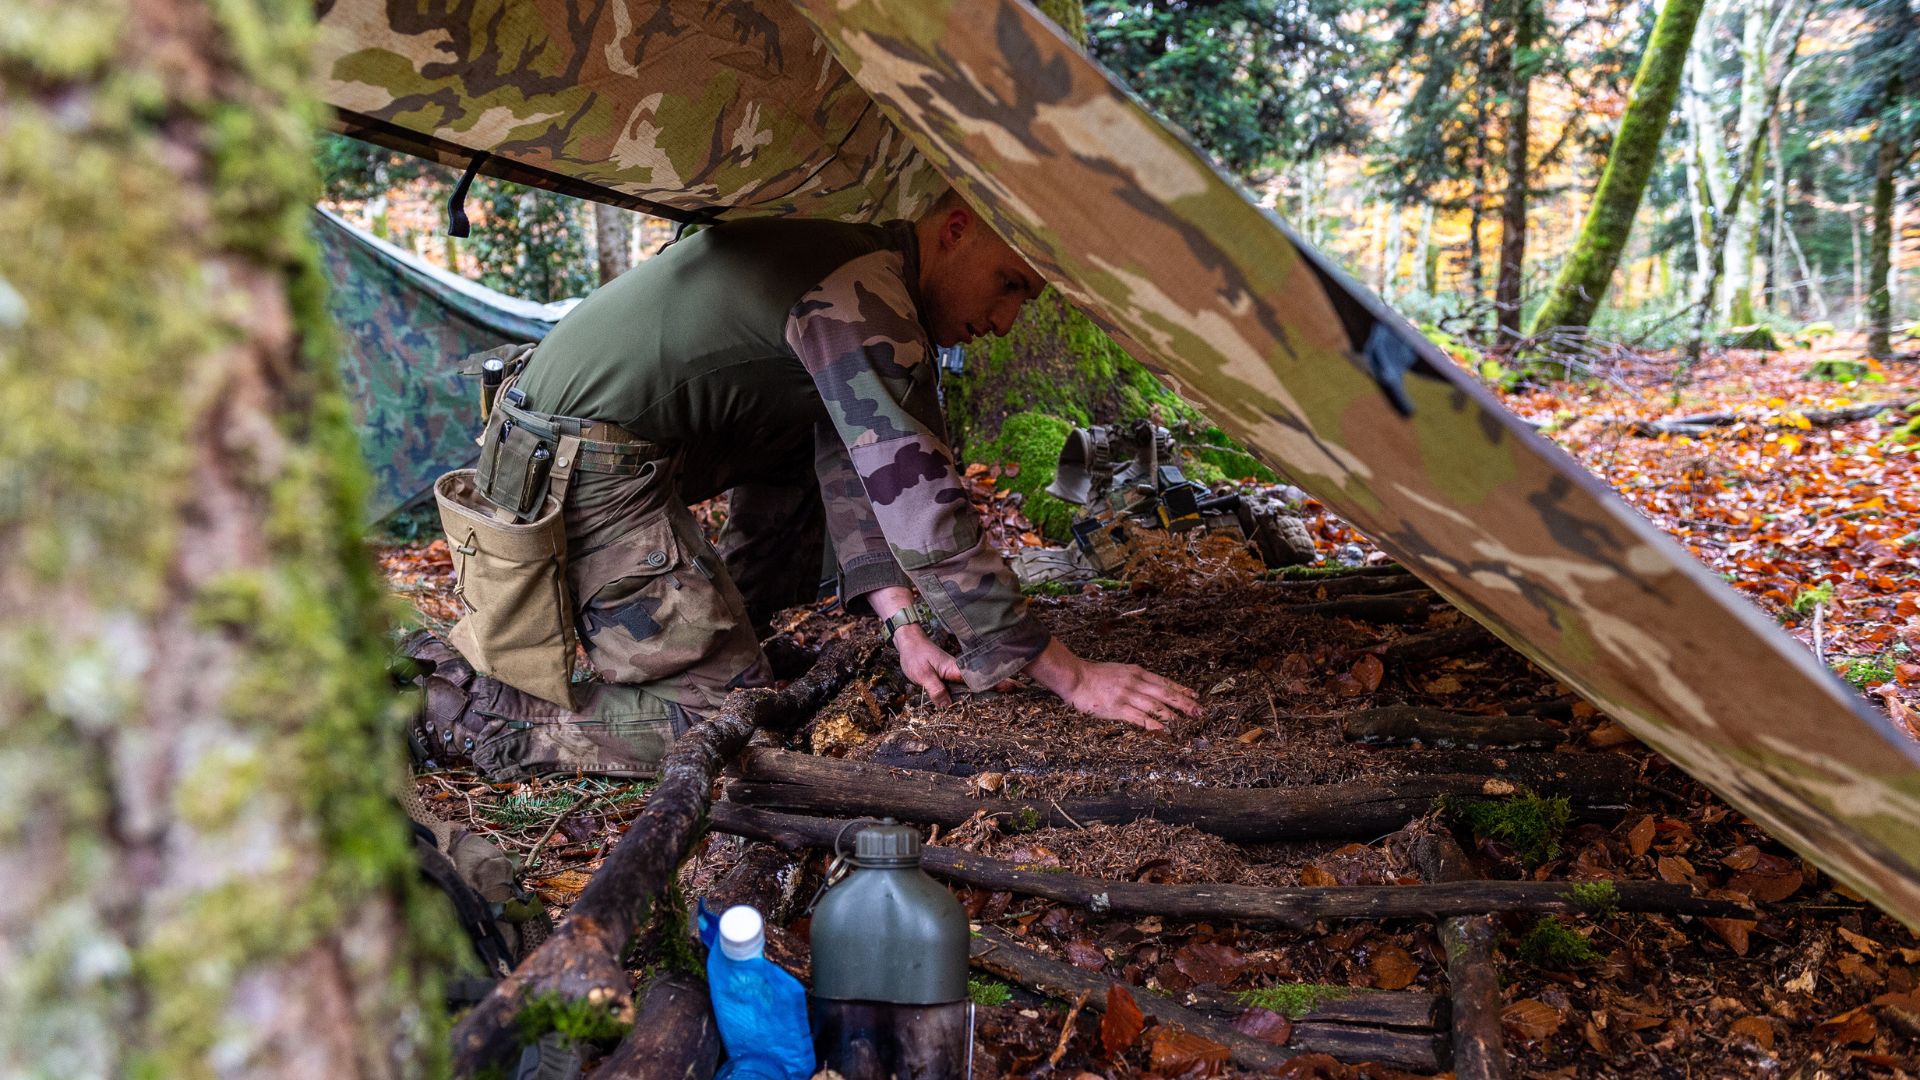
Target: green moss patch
[
  {"x": 573, "y": 1020},
  {"x": 1531, "y": 825},
  {"x": 1296, "y": 1000},
  {"x": 1553, "y": 944},
  {"x": 989, "y": 992}
]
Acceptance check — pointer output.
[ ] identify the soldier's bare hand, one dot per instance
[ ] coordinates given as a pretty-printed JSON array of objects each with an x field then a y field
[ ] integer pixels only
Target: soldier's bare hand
[
  {"x": 927, "y": 665},
  {"x": 1124, "y": 692}
]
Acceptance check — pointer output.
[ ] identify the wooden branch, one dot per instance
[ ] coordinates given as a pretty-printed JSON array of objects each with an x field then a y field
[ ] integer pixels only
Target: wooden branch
[
  {"x": 1400, "y": 725},
  {"x": 1414, "y": 1010},
  {"x": 1700, "y": 423},
  {"x": 1454, "y": 640},
  {"x": 779, "y": 780},
  {"x": 1355, "y": 585},
  {"x": 996, "y": 951},
  {"x": 1478, "y": 1050},
  {"x": 582, "y": 960},
  {"x": 673, "y": 1038},
  {"x": 1392, "y": 608},
  {"x": 1296, "y": 908}
]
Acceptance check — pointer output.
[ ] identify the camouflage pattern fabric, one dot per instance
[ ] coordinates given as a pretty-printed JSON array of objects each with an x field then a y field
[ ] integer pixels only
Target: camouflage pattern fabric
[
  {"x": 1290, "y": 357},
  {"x": 402, "y": 334},
  {"x": 694, "y": 104},
  {"x": 773, "y": 544},
  {"x": 859, "y": 335},
  {"x": 656, "y": 607}
]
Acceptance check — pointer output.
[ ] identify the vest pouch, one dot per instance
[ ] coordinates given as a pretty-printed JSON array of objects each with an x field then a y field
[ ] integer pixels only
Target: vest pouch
[
  {"x": 514, "y": 466},
  {"x": 512, "y": 579}
]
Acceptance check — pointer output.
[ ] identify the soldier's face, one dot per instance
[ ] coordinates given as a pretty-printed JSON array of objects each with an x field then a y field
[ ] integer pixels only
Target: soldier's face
[{"x": 972, "y": 283}]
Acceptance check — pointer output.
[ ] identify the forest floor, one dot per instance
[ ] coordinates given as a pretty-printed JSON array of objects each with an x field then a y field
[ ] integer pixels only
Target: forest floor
[{"x": 1810, "y": 516}]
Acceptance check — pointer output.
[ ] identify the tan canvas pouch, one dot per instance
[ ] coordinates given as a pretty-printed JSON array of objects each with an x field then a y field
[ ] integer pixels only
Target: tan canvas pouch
[{"x": 512, "y": 579}]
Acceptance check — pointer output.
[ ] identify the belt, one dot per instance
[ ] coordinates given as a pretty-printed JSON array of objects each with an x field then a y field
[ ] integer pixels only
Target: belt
[{"x": 604, "y": 447}]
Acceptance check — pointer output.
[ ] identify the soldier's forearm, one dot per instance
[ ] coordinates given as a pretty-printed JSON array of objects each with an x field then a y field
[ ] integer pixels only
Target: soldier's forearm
[{"x": 889, "y": 599}]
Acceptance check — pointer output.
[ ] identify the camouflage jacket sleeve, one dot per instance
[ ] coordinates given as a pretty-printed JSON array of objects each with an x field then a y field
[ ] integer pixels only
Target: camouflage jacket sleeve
[{"x": 859, "y": 335}]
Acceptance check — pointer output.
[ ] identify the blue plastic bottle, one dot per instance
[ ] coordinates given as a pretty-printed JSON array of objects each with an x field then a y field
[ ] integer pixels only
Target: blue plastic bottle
[{"x": 761, "y": 1010}]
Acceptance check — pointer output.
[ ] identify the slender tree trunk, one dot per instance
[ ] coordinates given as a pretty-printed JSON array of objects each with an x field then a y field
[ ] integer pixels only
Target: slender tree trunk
[
  {"x": 1744, "y": 236},
  {"x": 1879, "y": 297},
  {"x": 612, "y": 240},
  {"x": 1859, "y": 270},
  {"x": 205, "y": 873},
  {"x": 1429, "y": 259},
  {"x": 1513, "y": 212},
  {"x": 1585, "y": 275},
  {"x": 1396, "y": 241},
  {"x": 1784, "y": 294}
]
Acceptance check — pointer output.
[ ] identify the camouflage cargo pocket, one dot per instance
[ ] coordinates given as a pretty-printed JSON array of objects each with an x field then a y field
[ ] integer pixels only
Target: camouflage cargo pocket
[
  {"x": 656, "y": 604},
  {"x": 620, "y": 747}
]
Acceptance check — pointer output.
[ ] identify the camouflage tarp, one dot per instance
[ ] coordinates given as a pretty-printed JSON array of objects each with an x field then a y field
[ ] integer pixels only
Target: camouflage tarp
[
  {"x": 404, "y": 326},
  {"x": 683, "y": 105},
  {"x": 1306, "y": 368}
]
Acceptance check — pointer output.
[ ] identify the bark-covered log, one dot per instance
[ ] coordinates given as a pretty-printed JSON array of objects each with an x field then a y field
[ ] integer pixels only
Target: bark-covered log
[
  {"x": 674, "y": 1036},
  {"x": 1296, "y": 908},
  {"x": 1392, "y": 608},
  {"x": 780, "y": 780},
  {"x": 1399, "y": 725},
  {"x": 1354, "y": 585},
  {"x": 582, "y": 960},
  {"x": 1413, "y": 1010},
  {"x": 1700, "y": 423},
  {"x": 1478, "y": 1050},
  {"x": 996, "y": 951},
  {"x": 1454, "y": 640}
]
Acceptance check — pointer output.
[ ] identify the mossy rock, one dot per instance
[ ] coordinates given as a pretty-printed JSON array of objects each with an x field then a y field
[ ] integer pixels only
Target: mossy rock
[
  {"x": 1834, "y": 370},
  {"x": 1032, "y": 441},
  {"x": 1757, "y": 336}
]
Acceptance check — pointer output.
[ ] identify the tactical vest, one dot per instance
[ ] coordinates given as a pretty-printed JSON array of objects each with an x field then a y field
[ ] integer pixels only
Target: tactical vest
[{"x": 689, "y": 348}]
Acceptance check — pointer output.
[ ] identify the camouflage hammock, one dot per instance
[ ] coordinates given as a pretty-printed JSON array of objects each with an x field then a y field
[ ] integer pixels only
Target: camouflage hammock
[
  {"x": 731, "y": 108},
  {"x": 404, "y": 325}
]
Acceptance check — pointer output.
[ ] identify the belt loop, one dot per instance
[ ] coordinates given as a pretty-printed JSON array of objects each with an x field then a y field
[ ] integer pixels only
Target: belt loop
[{"x": 566, "y": 457}]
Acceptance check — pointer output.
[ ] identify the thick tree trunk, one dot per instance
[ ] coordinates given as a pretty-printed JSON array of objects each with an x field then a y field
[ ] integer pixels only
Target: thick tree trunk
[
  {"x": 1886, "y": 163},
  {"x": 612, "y": 240},
  {"x": 1584, "y": 277},
  {"x": 1743, "y": 238},
  {"x": 205, "y": 874}
]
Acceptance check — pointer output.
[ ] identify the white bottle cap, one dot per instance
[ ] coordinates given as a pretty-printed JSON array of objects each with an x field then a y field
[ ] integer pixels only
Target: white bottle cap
[{"x": 743, "y": 934}]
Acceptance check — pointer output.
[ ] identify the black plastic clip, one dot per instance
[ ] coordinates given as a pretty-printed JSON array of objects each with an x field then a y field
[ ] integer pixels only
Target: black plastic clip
[{"x": 457, "y": 224}]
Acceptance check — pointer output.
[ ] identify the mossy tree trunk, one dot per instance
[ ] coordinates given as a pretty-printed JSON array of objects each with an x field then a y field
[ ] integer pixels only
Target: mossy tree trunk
[
  {"x": 612, "y": 240},
  {"x": 1879, "y": 296},
  {"x": 1583, "y": 280},
  {"x": 205, "y": 873}
]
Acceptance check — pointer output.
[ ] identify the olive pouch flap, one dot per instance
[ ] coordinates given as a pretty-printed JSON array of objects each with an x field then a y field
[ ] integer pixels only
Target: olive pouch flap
[{"x": 514, "y": 467}]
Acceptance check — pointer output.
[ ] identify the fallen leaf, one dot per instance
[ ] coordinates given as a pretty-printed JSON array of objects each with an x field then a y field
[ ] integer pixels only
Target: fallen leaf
[
  {"x": 1208, "y": 962},
  {"x": 1674, "y": 869},
  {"x": 1393, "y": 967},
  {"x": 1531, "y": 1019},
  {"x": 1768, "y": 888},
  {"x": 1861, "y": 943},
  {"x": 1315, "y": 877},
  {"x": 1120, "y": 1024},
  {"x": 1744, "y": 857},
  {"x": 1369, "y": 671},
  {"x": 1858, "y": 970},
  {"x": 1083, "y": 954},
  {"x": 1853, "y": 1027},
  {"x": 1640, "y": 837},
  {"x": 1175, "y": 1051},
  {"x": 1757, "y": 1029},
  {"x": 1608, "y": 733},
  {"x": 1312, "y": 1067},
  {"x": 1497, "y": 786},
  {"x": 1265, "y": 1025}
]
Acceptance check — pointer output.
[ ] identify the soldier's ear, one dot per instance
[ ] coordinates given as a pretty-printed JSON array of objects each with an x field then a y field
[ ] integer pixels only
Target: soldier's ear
[{"x": 955, "y": 226}]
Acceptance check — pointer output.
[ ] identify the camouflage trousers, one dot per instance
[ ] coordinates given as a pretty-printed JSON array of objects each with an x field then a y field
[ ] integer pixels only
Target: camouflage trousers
[{"x": 663, "y": 624}]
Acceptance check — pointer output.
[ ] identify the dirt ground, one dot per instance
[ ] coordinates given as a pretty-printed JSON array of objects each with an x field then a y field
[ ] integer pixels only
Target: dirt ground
[{"x": 1816, "y": 984}]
